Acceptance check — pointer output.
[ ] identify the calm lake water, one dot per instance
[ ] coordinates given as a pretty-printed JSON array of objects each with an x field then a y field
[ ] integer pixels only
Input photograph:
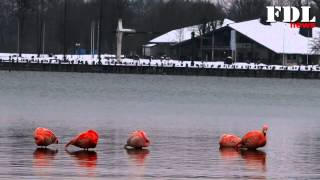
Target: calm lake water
[{"x": 184, "y": 117}]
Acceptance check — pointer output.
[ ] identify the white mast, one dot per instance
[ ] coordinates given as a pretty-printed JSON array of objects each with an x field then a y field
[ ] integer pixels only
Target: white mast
[{"x": 119, "y": 35}]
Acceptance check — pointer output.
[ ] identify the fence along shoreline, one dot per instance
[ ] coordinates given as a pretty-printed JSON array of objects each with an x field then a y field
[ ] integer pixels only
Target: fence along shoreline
[{"x": 161, "y": 70}]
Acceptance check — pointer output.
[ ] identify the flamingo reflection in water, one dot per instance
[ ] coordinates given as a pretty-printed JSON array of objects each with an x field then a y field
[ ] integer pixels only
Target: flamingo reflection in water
[
  {"x": 229, "y": 153},
  {"x": 138, "y": 156},
  {"x": 84, "y": 158},
  {"x": 43, "y": 157},
  {"x": 137, "y": 159},
  {"x": 43, "y": 161},
  {"x": 229, "y": 156},
  {"x": 254, "y": 159}
]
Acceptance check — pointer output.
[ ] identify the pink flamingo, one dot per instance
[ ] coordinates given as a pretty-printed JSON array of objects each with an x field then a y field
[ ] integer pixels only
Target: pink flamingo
[
  {"x": 229, "y": 141},
  {"x": 254, "y": 139},
  {"x": 44, "y": 137},
  {"x": 85, "y": 140},
  {"x": 138, "y": 140}
]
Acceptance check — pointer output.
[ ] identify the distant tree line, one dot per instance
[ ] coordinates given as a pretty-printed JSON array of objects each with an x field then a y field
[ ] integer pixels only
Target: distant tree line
[
  {"x": 316, "y": 43},
  {"x": 31, "y": 26}
]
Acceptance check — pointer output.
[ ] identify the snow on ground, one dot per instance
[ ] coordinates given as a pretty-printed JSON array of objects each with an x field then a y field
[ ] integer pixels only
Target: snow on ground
[{"x": 107, "y": 59}]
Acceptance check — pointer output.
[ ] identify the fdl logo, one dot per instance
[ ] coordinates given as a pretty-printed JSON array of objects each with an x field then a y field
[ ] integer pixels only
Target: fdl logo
[{"x": 297, "y": 17}]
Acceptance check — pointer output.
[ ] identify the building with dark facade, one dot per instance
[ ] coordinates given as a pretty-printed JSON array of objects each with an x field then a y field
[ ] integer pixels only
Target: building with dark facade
[{"x": 250, "y": 41}]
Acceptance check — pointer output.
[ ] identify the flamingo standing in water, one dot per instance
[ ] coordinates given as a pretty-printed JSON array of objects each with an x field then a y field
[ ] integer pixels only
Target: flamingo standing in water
[
  {"x": 85, "y": 140},
  {"x": 229, "y": 141},
  {"x": 44, "y": 137},
  {"x": 254, "y": 139},
  {"x": 138, "y": 140}
]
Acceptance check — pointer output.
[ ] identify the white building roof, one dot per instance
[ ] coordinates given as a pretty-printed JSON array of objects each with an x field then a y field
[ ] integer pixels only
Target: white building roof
[
  {"x": 227, "y": 22},
  {"x": 182, "y": 34},
  {"x": 177, "y": 35},
  {"x": 278, "y": 37}
]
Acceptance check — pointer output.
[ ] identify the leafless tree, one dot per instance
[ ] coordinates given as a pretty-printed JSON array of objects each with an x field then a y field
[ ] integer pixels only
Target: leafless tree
[
  {"x": 316, "y": 42},
  {"x": 248, "y": 9},
  {"x": 316, "y": 45},
  {"x": 158, "y": 16}
]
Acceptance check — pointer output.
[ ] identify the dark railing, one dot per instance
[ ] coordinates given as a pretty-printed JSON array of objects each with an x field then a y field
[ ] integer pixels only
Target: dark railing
[{"x": 172, "y": 69}]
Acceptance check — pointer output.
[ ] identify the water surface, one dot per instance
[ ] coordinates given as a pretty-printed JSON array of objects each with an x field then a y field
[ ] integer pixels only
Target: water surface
[{"x": 183, "y": 115}]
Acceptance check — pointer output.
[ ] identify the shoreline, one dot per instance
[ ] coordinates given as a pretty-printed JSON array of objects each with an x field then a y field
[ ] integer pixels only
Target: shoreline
[{"x": 161, "y": 70}]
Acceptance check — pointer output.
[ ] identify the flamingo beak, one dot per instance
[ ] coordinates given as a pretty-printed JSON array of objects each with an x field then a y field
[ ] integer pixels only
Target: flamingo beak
[{"x": 148, "y": 142}]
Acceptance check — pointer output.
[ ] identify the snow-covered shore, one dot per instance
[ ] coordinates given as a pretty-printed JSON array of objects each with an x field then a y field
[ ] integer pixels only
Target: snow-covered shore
[{"x": 108, "y": 59}]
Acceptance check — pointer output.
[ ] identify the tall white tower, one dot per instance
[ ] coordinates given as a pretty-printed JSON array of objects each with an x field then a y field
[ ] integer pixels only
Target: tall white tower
[{"x": 119, "y": 35}]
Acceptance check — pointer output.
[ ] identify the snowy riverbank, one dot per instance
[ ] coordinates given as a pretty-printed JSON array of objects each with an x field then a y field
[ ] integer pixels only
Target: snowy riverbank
[{"x": 107, "y": 59}]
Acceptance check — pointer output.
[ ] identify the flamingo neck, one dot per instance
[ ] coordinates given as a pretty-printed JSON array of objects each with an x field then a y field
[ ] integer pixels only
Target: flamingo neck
[
  {"x": 144, "y": 137},
  {"x": 264, "y": 132}
]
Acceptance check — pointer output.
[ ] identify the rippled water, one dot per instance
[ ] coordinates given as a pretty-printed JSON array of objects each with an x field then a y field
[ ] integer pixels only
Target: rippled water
[{"x": 184, "y": 117}]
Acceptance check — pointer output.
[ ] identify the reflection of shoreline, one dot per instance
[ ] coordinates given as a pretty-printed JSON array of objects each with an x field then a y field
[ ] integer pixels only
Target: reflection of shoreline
[
  {"x": 43, "y": 157},
  {"x": 255, "y": 159},
  {"x": 138, "y": 156},
  {"x": 86, "y": 159}
]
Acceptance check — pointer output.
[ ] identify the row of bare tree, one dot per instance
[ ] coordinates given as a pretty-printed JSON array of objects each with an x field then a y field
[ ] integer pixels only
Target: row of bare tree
[{"x": 55, "y": 26}]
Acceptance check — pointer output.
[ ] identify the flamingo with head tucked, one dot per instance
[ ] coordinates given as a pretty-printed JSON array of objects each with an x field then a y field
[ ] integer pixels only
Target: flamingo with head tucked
[
  {"x": 229, "y": 141},
  {"x": 44, "y": 137},
  {"x": 138, "y": 140},
  {"x": 85, "y": 140},
  {"x": 254, "y": 139}
]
